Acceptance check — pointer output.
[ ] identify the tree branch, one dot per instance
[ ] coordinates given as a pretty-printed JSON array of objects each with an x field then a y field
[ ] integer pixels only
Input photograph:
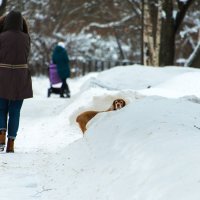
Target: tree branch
[
  {"x": 183, "y": 7},
  {"x": 136, "y": 8}
]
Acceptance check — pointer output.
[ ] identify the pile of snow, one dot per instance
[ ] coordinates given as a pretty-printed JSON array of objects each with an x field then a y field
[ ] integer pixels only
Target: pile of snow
[{"x": 147, "y": 150}]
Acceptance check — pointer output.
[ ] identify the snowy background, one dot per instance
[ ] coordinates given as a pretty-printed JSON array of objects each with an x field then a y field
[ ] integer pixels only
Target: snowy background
[
  {"x": 149, "y": 150},
  {"x": 99, "y": 30}
]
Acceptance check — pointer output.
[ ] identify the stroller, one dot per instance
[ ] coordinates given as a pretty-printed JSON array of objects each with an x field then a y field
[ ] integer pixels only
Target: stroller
[{"x": 55, "y": 79}]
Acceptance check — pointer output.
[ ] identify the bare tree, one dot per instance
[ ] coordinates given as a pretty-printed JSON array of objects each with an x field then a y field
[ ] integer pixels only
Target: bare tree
[
  {"x": 171, "y": 27},
  {"x": 160, "y": 28},
  {"x": 116, "y": 21}
]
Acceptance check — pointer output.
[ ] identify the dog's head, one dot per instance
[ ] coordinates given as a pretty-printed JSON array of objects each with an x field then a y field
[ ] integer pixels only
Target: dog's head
[{"x": 118, "y": 104}]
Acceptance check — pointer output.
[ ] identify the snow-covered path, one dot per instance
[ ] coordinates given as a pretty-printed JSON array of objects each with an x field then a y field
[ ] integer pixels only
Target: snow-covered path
[
  {"x": 19, "y": 178},
  {"x": 41, "y": 134}
]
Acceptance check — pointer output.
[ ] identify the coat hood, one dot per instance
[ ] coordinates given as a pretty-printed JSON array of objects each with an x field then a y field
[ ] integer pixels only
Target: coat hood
[
  {"x": 61, "y": 44},
  {"x": 13, "y": 21}
]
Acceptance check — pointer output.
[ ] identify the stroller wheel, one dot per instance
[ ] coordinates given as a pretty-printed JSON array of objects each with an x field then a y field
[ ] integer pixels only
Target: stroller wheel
[
  {"x": 49, "y": 92},
  {"x": 67, "y": 94}
]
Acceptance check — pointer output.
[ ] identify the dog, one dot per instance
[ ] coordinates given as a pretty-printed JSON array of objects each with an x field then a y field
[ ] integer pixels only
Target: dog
[{"x": 86, "y": 116}]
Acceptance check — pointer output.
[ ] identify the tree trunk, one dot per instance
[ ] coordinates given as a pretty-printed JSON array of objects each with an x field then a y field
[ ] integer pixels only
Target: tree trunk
[
  {"x": 160, "y": 28},
  {"x": 167, "y": 47},
  {"x": 170, "y": 27},
  {"x": 142, "y": 34},
  {"x": 158, "y": 33},
  {"x": 147, "y": 34},
  {"x": 151, "y": 32}
]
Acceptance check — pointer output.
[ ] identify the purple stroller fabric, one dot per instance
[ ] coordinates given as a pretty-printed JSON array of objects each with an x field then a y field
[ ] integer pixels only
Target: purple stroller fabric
[{"x": 53, "y": 74}]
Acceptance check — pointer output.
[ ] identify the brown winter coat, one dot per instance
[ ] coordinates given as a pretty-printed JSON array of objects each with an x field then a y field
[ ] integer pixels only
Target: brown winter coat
[{"x": 15, "y": 78}]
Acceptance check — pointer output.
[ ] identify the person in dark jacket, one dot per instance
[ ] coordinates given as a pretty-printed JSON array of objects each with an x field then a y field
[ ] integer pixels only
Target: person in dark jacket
[
  {"x": 60, "y": 58},
  {"x": 15, "y": 78}
]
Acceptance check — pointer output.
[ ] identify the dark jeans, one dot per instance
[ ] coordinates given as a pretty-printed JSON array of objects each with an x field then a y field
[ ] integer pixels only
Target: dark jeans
[
  {"x": 64, "y": 87},
  {"x": 9, "y": 116}
]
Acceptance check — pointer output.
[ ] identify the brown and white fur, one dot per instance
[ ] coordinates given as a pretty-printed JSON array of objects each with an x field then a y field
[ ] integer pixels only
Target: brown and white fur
[{"x": 86, "y": 116}]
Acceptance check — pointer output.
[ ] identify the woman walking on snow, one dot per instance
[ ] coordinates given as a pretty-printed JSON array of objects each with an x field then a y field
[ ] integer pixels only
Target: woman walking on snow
[
  {"x": 15, "y": 78},
  {"x": 60, "y": 58}
]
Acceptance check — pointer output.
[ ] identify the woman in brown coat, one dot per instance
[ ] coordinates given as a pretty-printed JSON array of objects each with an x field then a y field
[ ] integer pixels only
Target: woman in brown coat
[{"x": 15, "y": 78}]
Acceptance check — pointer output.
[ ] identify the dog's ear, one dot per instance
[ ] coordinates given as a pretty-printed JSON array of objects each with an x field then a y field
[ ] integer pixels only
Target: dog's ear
[
  {"x": 114, "y": 105},
  {"x": 124, "y": 102}
]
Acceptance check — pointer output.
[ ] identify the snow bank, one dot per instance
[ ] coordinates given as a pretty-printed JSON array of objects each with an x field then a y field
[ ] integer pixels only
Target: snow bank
[{"x": 149, "y": 150}]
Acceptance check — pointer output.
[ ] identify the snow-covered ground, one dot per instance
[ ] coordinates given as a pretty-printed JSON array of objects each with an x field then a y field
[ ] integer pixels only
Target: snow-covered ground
[{"x": 149, "y": 150}]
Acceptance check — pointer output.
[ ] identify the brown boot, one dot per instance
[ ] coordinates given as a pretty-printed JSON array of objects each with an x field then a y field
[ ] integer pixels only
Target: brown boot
[
  {"x": 10, "y": 146},
  {"x": 2, "y": 139}
]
